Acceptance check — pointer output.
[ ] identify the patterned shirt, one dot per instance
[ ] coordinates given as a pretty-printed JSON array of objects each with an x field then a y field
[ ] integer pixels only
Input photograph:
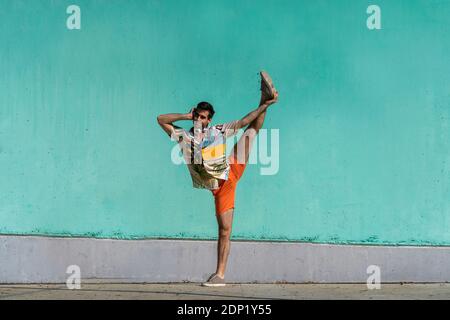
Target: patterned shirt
[{"x": 204, "y": 151}]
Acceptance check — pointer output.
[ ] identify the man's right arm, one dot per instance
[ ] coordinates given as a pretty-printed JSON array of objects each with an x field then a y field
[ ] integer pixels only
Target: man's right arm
[{"x": 166, "y": 120}]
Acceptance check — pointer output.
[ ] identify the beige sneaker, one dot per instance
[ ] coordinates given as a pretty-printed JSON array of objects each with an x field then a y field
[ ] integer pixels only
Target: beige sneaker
[
  {"x": 267, "y": 85},
  {"x": 214, "y": 281}
]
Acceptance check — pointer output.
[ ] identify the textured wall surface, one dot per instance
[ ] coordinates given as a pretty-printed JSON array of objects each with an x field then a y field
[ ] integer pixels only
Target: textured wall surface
[{"x": 364, "y": 118}]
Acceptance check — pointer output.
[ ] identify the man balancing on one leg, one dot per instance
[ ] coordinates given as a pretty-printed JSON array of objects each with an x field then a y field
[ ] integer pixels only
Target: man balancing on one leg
[{"x": 203, "y": 148}]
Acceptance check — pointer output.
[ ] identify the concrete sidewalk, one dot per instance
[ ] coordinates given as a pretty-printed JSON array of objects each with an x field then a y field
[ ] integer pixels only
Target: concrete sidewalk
[{"x": 110, "y": 291}]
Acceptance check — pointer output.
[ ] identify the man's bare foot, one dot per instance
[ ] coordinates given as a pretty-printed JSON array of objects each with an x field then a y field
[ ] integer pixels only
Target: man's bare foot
[{"x": 273, "y": 100}]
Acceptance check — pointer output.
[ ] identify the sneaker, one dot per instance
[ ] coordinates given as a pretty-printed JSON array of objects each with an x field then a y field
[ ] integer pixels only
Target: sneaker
[
  {"x": 214, "y": 281},
  {"x": 267, "y": 85}
]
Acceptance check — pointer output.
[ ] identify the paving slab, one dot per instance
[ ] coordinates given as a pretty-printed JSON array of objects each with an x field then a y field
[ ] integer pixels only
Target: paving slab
[{"x": 194, "y": 291}]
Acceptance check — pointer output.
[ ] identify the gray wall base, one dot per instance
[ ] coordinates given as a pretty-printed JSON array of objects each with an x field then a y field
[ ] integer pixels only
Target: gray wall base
[{"x": 26, "y": 259}]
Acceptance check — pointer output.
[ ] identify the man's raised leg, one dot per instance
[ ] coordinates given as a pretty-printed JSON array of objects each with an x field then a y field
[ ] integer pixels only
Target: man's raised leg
[{"x": 242, "y": 148}]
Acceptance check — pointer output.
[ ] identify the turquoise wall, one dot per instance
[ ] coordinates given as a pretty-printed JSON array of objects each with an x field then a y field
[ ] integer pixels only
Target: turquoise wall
[{"x": 364, "y": 118}]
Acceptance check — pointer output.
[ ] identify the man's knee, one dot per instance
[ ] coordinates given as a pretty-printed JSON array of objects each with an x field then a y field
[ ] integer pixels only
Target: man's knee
[{"x": 225, "y": 232}]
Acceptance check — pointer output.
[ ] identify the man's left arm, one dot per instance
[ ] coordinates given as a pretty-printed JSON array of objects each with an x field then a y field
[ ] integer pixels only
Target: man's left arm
[
  {"x": 245, "y": 121},
  {"x": 232, "y": 128}
]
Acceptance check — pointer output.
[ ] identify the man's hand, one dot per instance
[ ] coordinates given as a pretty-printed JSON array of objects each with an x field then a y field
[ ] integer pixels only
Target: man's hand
[
  {"x": 190, "y": 114},
  {"x": 272, "y": 101}
]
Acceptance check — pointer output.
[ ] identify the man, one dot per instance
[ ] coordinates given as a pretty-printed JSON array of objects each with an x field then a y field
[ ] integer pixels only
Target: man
[{"x": 203, "y": 148}]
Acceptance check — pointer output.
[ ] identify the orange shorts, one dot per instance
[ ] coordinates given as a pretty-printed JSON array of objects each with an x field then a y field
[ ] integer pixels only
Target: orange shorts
[{"x": 224, "y": 196}]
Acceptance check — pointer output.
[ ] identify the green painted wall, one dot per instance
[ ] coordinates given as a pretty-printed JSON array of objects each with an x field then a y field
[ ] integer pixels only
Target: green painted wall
[{"x": 364, "y": 117}]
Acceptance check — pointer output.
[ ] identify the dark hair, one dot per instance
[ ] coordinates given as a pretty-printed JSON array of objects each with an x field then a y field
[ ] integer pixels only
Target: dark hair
[{"x": 206, "y": 106}]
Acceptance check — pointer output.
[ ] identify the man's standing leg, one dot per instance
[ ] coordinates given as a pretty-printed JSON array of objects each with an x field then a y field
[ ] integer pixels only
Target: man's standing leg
[{"x": 225, "y": 222}]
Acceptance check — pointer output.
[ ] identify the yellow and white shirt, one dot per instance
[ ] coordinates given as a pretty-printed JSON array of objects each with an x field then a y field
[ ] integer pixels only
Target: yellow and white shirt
[{"x": 204, "y": 151}]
